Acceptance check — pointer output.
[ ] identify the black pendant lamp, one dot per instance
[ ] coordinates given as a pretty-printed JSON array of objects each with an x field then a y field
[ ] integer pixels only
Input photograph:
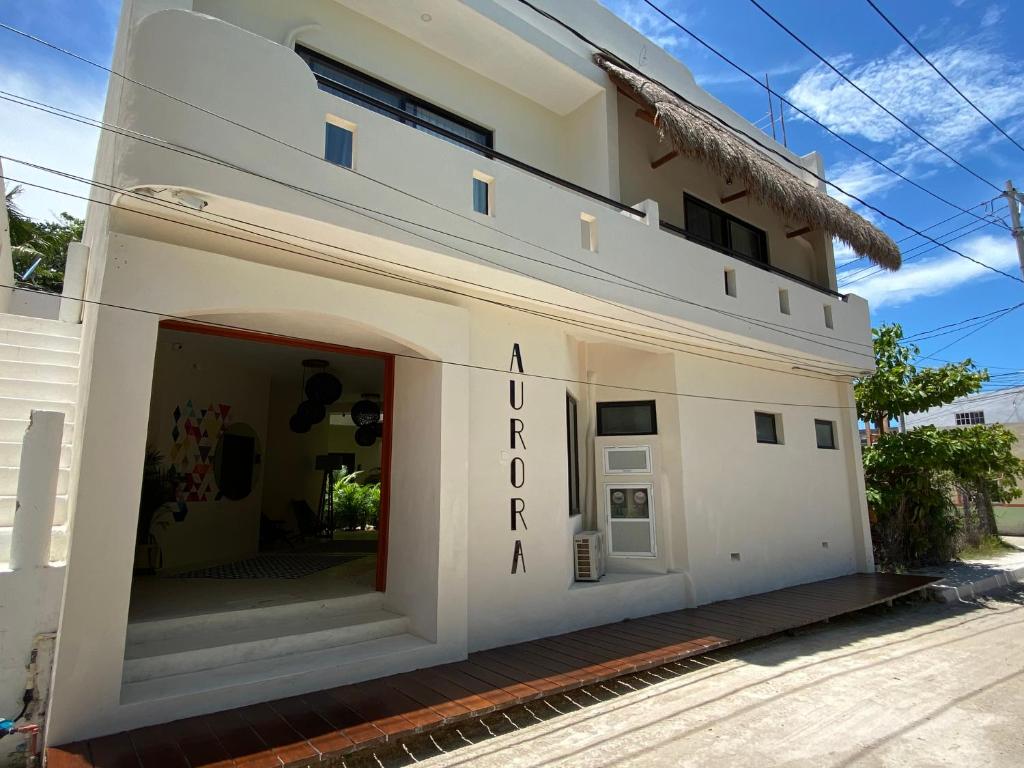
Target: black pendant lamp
[{"x": 320, "y": 389}]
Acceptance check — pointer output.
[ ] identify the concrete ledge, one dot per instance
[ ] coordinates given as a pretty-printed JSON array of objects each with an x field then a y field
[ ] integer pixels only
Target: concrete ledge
[{"x": 951, "y": 593}]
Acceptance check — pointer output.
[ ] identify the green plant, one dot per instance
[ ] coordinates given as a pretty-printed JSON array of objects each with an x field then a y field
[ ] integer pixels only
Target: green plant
[
  {"x": 158, "y": 494},
  {"x": 44, "y": 240},
  {"x": 913, "y": 477},
  {"x": 356, "y": 505}
]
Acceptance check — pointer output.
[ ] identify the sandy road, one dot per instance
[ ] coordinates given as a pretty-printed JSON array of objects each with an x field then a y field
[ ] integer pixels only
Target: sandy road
[{"x": 921, "y": 685}]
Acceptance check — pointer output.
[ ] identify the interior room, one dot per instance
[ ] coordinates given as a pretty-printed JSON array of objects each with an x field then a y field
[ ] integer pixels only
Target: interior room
[{"x": 263, "y": 474}]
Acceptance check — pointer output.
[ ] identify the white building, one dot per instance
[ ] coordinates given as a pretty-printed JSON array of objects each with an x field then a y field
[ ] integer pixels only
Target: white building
[
  {"x": 1004, "y": 406},
  {"x": 568, "y": 324}
]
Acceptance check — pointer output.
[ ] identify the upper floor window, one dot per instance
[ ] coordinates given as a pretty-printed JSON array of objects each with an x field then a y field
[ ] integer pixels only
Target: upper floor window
[
  {"x": 720, "y": 230},
  {"x": 967, "y": 418},
  {"x": 627, "y": 418},
  {"x": 339, "y": 142},
  {"x": 366, "y": 91}
]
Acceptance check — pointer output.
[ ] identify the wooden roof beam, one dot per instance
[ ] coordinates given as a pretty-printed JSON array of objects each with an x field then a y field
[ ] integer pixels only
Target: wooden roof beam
[
  {"x": 798, "y": 232},
  {"x": 734, "y": 196},
  {"x": 664, "y": 159}
]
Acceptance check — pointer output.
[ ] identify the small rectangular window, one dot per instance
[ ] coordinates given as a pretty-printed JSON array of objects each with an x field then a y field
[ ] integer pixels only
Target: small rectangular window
[
  {"x": 724, "y": 232},
  {"x": 483, "y": 193},
  {"x": 339, "y": 143},
  {"x": 573, "y": 450},
  {"x": 828, "y": 317},
  {"x": 767, "y": 427},
  {"x": 783, "y": 301},
  {"x": 968, "y": 418},
  {"x": 730, "y": 282},
  {"x": 588, "y": 232},
  {"x": 825, "y": 433},
  {"x": 627, "y": 418}
]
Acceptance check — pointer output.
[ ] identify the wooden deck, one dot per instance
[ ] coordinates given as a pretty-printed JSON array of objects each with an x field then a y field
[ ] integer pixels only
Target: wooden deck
[{"x": 317, "y": 726}]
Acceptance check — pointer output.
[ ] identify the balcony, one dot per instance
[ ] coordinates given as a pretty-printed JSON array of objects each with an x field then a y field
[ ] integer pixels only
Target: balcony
[{"x": 410, "y": 195}]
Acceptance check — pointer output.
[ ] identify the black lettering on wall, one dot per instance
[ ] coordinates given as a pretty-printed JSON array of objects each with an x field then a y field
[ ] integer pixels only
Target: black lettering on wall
[
  {"x": 517, "y": 472},
  {"x": 518, "y": 557},
  {"x": 515, "y": 429},
  {"x": 518, "y": 507},
  {"x": 512, "y": 394},
  {"x": 517, "y": 358}
]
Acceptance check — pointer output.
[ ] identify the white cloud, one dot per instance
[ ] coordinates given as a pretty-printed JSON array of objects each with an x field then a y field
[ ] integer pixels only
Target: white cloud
[
  {"x": 939, "y": 275},
  {"x": 992, "y": 15},
  {"x": 844, "y": 254},
  {"x": 905, "y": 84},
  {"x": 860, "y": 178},
  {"x": 46, "y": 139},
  {"x": 649, "y": 22}
]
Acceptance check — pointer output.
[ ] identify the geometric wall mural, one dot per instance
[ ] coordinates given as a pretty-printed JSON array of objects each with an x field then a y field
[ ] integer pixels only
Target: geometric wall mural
[{"x": 195, "y": 434}]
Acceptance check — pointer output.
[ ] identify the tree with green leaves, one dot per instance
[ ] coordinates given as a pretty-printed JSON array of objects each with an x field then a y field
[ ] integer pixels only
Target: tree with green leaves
[
  {"x": 913, "y": 477},
  {"x": 46, "y": 241}
]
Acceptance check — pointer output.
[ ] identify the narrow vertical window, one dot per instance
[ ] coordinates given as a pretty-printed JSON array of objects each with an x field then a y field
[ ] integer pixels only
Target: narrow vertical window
[
  {"x": 767, "y": 427},
  {"x": 573, "y": 452},
  {"x": 588, "y": 232},
  {"x": 828, "y": 317},
  {"x": 825, "y": 433},
  {"x": 730, "y": 282},
  {"x": 483, "y": 193},
  {"x": 783, "y": 301},
  {"x": 339, "y": 142}
]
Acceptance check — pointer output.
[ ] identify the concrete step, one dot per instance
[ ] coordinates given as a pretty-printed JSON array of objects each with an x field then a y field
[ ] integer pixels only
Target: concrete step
[
  {"x": 47, "y": 372},
  {"x": 13, "y": 430},
  {"x": 251, "y": 642},
  {"x": 58, "y": 544},
  {"x": 21, "y": 407},
  {"x": 15, "y": 353},
  {"x": 40, "y": 325},
  {"x": 10, "y": 455},
  {"x": 253, "y": 680},
  {"x": 38, "y": 390},
  {"x": 8, "y": 503},
  {"x": 39, "y": 340},
  {"x": 9, "y": 481}
]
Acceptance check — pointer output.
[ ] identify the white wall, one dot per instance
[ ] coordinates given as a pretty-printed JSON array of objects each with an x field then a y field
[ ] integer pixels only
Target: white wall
[{"x": 1005, "y": 407}]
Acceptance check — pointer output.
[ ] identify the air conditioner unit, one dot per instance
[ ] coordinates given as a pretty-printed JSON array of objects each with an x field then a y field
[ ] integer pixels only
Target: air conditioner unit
[{"x": 588, "y": 548}]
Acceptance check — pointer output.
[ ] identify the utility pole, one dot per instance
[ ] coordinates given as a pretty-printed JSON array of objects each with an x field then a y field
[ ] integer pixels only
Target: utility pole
[{"x": 1013, "y": 198}]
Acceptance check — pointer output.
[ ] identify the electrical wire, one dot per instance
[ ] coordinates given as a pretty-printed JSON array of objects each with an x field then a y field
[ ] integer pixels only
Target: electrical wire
[
  {"x": 766, "y": 147},
  {"x": 366, "y": 211},
  {"x": 452, "y": 363},
  {"x": 327, "y": 258},
  {"x": 790, "y": 104},
  {"x": 871, "y": 98},
  {"x": 975, "y": 330},
  {"x": 948, "y": 82}
]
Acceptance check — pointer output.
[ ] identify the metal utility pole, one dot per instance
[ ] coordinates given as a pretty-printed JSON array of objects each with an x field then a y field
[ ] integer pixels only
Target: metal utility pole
[{"x": 1013, "y": 198}]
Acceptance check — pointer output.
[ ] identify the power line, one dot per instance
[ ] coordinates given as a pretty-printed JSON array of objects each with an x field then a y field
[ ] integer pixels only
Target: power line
[
  {"x": 380, "y": 272},
  {"x": 365, "y": 211},
  {"x": 919, "y": 335},
  {"x": 981, "y": 327},
  {"x": 762, "y": 145},
  {"x": 940, "y": 74},
  {"x": 803, "y": 113},
  {"x": 869, "y": 97}
]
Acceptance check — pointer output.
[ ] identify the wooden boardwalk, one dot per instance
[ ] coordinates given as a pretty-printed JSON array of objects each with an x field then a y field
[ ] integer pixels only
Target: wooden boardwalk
[{"x": 312, "y": 727}]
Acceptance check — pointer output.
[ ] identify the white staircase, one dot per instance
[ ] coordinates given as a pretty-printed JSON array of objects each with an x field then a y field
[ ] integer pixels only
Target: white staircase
[
  {"x": 38, "y": 371},
  {"x": 167, "y": 658}
]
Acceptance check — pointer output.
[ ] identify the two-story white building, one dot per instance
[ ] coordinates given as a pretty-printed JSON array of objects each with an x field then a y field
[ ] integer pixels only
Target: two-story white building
[{"x": 532, "y": 292}]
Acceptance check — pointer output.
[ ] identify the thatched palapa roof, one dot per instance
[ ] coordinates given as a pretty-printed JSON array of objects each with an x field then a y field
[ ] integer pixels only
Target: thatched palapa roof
[{"x": 695, "y": 135}]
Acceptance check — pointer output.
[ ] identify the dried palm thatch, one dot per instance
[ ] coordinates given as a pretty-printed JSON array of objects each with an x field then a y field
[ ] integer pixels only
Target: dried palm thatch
[{"x": 699, "y": 137}]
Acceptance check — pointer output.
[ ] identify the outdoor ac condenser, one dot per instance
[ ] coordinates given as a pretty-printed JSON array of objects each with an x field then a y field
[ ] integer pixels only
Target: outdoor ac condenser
[{"x": 589, "y": 555}]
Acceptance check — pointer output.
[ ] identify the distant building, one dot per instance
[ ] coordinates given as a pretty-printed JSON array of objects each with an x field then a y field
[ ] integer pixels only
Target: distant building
[{"x": 1004, "y": 407}]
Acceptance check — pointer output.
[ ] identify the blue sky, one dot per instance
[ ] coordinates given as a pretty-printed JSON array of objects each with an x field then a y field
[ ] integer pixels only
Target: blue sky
[{"x": 973, "y": 41}]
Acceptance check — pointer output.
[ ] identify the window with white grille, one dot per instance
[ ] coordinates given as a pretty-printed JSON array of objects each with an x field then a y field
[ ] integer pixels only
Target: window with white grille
[{"x": 967, "y": 418}]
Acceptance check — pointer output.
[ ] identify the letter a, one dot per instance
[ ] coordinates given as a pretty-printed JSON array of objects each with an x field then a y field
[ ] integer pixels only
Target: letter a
[
  {"x": 517, "y": 358},
  {"x": 517, "y": 557}
]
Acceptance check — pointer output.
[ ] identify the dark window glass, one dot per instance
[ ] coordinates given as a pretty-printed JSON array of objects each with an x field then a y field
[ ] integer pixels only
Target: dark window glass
[
  {"x": 349, "y": 84},
  {"x": 825, "y": 432},
  {"x": 627, "y": 418},
  {"x": 717, "y": 228},
  {"x": 573, "y": 449},
  {"x": 481, "y": 196},
  {"x": 338, "y": 146},
  {"x": 970, "y": 417},
  {"x": 767, "y": 429}
]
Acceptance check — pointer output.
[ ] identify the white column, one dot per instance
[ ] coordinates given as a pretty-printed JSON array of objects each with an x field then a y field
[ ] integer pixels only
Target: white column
[
  {"x": 6, "y": 262},
  {"x": 37, "y": 490},
  {"x": 74, "y": 283}
]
